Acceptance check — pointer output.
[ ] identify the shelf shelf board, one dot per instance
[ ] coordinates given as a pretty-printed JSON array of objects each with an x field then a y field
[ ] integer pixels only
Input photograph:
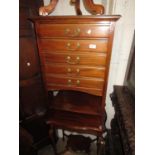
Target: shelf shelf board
[
  {"x": 75, "y": 122},
  {"x": 73, "y": 101}
]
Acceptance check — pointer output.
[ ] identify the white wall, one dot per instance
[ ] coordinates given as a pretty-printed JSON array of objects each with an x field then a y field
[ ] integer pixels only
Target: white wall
[
  {"x": 122, "y": 40},
  {"x": 124, "y": 32}
]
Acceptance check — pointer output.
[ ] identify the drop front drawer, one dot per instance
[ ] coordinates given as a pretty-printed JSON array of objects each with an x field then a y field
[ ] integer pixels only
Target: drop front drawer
[
  {"x": 75, "y": 70},
  {"x": 73, "y": 30},
  {"x": 75, "y": 82},
  {"x": 74, "y": 45},
  {"x": 93, "y": 59}
]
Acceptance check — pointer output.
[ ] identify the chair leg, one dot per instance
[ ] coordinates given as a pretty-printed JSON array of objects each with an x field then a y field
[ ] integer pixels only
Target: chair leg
[
  {"x": 53, "y": 142},
  {"x": 63, "y": 134}
]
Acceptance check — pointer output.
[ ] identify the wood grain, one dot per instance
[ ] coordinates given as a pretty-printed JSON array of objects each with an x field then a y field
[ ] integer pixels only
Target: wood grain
[
  {"x": 64, "y": 46},
  {"x": 74, "y": 45},
  {"x": 73, "y": 30}
]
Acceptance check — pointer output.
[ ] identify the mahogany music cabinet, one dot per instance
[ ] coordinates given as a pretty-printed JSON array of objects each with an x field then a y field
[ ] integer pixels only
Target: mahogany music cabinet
[{"x": 75, "y": 55}]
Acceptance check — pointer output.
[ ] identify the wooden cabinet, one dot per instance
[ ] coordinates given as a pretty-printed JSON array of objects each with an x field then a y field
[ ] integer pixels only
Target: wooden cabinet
[
  {"x": 28, "y": 56},
  {"x": 75, "y": 55},
  {"x": 32, "y": 95}
]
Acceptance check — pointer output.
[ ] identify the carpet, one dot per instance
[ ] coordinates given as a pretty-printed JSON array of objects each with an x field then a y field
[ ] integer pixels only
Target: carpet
[{"x": 48, "y": 150}]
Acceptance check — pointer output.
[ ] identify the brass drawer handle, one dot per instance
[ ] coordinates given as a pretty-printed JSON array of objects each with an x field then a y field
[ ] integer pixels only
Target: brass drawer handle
[
  {"x": 69, "y": 82},
  {"x": 73, "y": 49},
  {"x": 67, "y": 31},
  {"x": 75, "y": 33},
  {"x": 78, "y": 82},
  {"x": 77, "y": 70},
  {"x": 69, "y": 70},
  {"x": 68, "y": 60}
]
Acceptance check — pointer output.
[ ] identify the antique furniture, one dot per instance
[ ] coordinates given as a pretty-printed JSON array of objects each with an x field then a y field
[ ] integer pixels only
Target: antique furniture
[
  {"x": 32, "y": 100},
  {"x": 26, "y": 143},
  {"x": 123, "y": 124},
  {"x": 75, "y": 56},
  {"x": 32, "y": 96},
  {"x": 89, "y": 5}
]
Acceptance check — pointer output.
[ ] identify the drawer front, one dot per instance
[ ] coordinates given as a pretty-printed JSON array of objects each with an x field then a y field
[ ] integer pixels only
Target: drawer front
[
  {"x": 74, "y": 45},
  {"x": 93, "y": 59},
  {"x": 73, "y": 30},
  {"x": 75, "y": 70},
  {"x": 74, "y": 82}
]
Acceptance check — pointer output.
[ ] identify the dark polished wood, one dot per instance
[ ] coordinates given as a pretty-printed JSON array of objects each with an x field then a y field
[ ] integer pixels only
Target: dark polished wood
[
  {"x": 32, "y": 94},
  {"x": 77, "y": 102},
  {"x": 59, "y": 45},
  {"x": 73, "y": 30},
  {"x": 32, "y": 97},
  {"x": 76, "y": 70},
  {"x": 71, "y": 121},
  {"x": 75, "y": 55}
]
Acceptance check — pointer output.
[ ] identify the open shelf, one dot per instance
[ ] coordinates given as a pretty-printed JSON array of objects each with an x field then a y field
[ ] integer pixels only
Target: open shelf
[
  {"x": 77, "y": 102},
  {"x": 74, "y": 121}
]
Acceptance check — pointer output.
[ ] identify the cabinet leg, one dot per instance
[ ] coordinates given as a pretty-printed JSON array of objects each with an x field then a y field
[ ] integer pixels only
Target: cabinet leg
[
  {"x": 53, "y": 142},
  {"x": 100, "y": 145},
  {"x": 63, "y": 135}
]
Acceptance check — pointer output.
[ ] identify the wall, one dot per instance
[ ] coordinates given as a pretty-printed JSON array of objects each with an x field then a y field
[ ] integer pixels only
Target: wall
[
  {"x": 124, "y": 32},
  {"x": 122, "y": 40}
]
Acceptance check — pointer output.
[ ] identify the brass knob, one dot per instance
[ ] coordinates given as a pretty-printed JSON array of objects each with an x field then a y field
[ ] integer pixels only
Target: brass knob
[
  {"x": 78, "y": 45},
  {"x": 78, "y": 70},
  {"x": 69, "y": 70},
  {"x": 69, "y": 82},
  {"x": 74, "y": 33},
  {"x": 68, "y": 58},
  {"x": 68, "y": 44},
  {"x": 77, "y": 58},
  {"x": 28, "y": 64},
  {"x": 78, "y": 30},
  {"x": 78, "y": 82},
  {"x": 67, "y": 30}
]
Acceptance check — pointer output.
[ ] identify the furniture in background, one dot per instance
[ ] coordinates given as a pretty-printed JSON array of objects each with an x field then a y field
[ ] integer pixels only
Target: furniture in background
[
  {"x": 32, "y": 97},
  {"x": 93, "y": 8},
  {"x": 26, "y": 143},
  {"x": 123, "y": 99},
  {"x": 32, "y": 102},
  {"x": 75, "y": 55}
]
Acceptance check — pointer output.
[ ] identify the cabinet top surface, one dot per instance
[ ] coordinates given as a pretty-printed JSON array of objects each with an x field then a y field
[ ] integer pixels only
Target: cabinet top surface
[{"x": 80, "y": 18}]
